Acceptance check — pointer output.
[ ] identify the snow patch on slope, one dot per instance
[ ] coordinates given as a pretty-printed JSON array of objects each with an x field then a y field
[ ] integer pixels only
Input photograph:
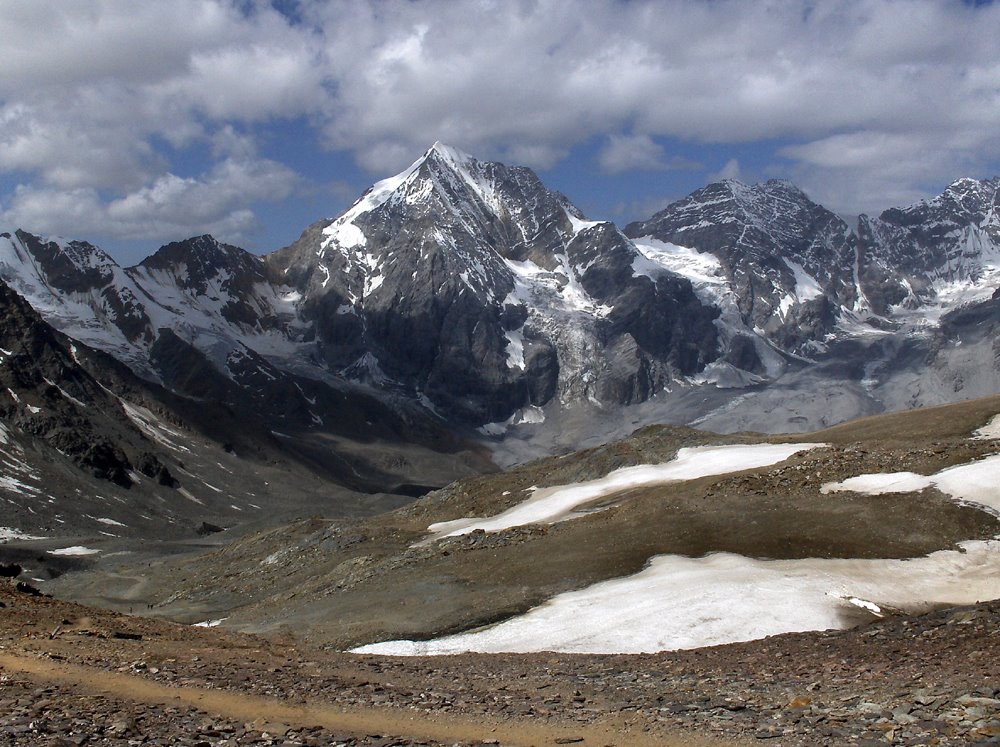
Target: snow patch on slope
[
  {"x": 703, "y": 269},
  {"x": 153, "y": 427},
  {"x": 515, "y": 350},
  {"x": 75, "y": 550},
  {"x": 9, "y": 533},
  {"x": 806, "y": 287},
  {"x": 975, "y": 482},
  {"x": 681, "y": 603},
  {"x": 548, "y": 505},
  {"x": 989, "y": 431}
]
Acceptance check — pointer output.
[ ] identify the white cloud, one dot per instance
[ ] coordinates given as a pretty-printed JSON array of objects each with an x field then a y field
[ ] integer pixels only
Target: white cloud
[
  {"x": 170, "y": 207},
  {"x": 731, "y": 170},
  {"x": 631, "y": 153},
  {"x": 66, "y": 153},
  {"x": 868, "y": 171},
  {"x": 549, "y": 73},
  {"x": 89, "y": 88}
]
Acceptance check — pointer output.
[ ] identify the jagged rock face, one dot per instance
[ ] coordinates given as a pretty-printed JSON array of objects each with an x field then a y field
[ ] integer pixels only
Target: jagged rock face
[
  {"x": 46, "y": 394},
  {"x": 205, "y": 268},
  {"x": 88, "y": 447},
  {"x": 781, "y": 253},
  {"x": 882, "y": 249},
  {"x": 912, "y": 254},
  {"x": 660, "y": 323},
  {"x": 473, "y": 284},
  {"x": 186, "y": 285},
  {"x": 967, "y": 210},
  {"x": 87, "y": 283},
  {"x": 75, "y": 267},
  {"x": 409, "y": 286},
  {"x": 799, "y": 273}
]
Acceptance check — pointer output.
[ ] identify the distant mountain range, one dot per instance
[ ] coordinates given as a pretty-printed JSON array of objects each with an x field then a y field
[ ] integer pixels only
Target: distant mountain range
[{"x": 461, "y": 295}]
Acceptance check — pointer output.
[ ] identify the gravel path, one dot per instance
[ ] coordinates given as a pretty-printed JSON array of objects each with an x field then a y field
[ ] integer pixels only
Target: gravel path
[{"x": 75, "y": 675}]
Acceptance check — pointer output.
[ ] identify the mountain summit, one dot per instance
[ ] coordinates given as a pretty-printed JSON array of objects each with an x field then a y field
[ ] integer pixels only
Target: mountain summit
[{"x": 473, "y": 285}]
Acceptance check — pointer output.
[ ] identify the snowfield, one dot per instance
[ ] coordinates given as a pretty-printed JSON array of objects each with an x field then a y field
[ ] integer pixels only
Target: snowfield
[
  {"x": 9, "y": 533},
  {"x": 678, "y": 602},
  {"x": 989, "y": 431},
  {"x": 552, "y": 504},
  {"x": 975, "y": 482},
  {"x": 74, "y": 551}
]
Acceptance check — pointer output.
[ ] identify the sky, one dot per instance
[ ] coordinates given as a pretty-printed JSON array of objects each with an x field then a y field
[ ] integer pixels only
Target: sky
[{"x": 134, "y": 124}]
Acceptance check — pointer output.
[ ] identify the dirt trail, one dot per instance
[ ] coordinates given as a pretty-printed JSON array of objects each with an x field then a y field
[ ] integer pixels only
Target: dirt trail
[{"x": 249, "y": 708}]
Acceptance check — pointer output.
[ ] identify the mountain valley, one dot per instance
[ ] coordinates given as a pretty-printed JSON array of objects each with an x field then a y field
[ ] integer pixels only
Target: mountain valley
[{"x": 462, "y": 417}]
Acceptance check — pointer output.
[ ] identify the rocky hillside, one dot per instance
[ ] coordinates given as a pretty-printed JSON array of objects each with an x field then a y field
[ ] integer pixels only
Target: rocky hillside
[
  {"x": 91, "y": 453},
  {"x": 73, "y": 673},
  {"x": 417, "y": 573}
]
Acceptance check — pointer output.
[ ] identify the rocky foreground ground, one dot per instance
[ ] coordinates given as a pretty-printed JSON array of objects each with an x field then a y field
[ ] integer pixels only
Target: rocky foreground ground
[{"x": 72, "y": 675}]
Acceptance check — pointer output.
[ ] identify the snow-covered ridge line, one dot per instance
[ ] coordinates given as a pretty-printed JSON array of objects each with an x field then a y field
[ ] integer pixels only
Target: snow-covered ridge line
[{"x": 782, "y": 279}]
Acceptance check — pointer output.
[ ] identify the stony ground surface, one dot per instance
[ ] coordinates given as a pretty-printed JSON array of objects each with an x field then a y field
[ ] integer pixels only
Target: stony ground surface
[{"x": 71, "y": 675}]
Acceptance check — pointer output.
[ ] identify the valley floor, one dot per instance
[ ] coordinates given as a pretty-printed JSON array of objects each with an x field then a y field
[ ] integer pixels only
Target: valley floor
[{"x": 72, "y": 675}]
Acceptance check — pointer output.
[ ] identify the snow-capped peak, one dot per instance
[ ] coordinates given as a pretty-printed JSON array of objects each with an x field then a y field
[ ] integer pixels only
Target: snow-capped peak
[
  {"x": 346, "y": 234},
  {"x": 343, "y": 232},
  {"x": 448, "y": 153}
]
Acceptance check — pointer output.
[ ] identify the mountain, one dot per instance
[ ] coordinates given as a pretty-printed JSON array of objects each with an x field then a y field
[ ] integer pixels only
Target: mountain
[
  {"x": 799, "y": 273},
  {"x": 204, "y": 319},
  {"x": 457, "y": 289},
  {"x": 217, "y": 437},
  {"x": 473, "y": 285},
  {"x": 942, "y": 250},
  {"x": 90, "y": 451},
  {"x": 463, "y": 294},
  {"x": 786, "y": 261}
]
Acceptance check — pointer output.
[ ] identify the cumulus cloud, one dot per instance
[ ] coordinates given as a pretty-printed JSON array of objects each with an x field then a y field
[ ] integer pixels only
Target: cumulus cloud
[
  {"x": 638, "y": 153},
  {"x": 556, "y": 72},
  {"x": 67, "y": 153},
  {"x": 169, "y": 207},
  {"x": 863, "y": 98},
  {"x": 541, "y": 77},
  {"x": 868, "y": 171}
]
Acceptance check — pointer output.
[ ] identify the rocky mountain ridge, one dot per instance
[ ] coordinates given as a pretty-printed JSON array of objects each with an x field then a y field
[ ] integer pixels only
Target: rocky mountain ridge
[
  {"x": 465, "y": 293},
  {"x": 472, "y": 284},
  {"x": 90, "y": 451}
]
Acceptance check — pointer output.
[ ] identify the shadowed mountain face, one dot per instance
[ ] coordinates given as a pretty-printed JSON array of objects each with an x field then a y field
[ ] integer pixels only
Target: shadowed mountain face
[
  {"x": 474, "y": 285},
  {"x": 462, "y": 293},
  {"x": 49, "y": 397},
  {"x": 90, "y": 450}
]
